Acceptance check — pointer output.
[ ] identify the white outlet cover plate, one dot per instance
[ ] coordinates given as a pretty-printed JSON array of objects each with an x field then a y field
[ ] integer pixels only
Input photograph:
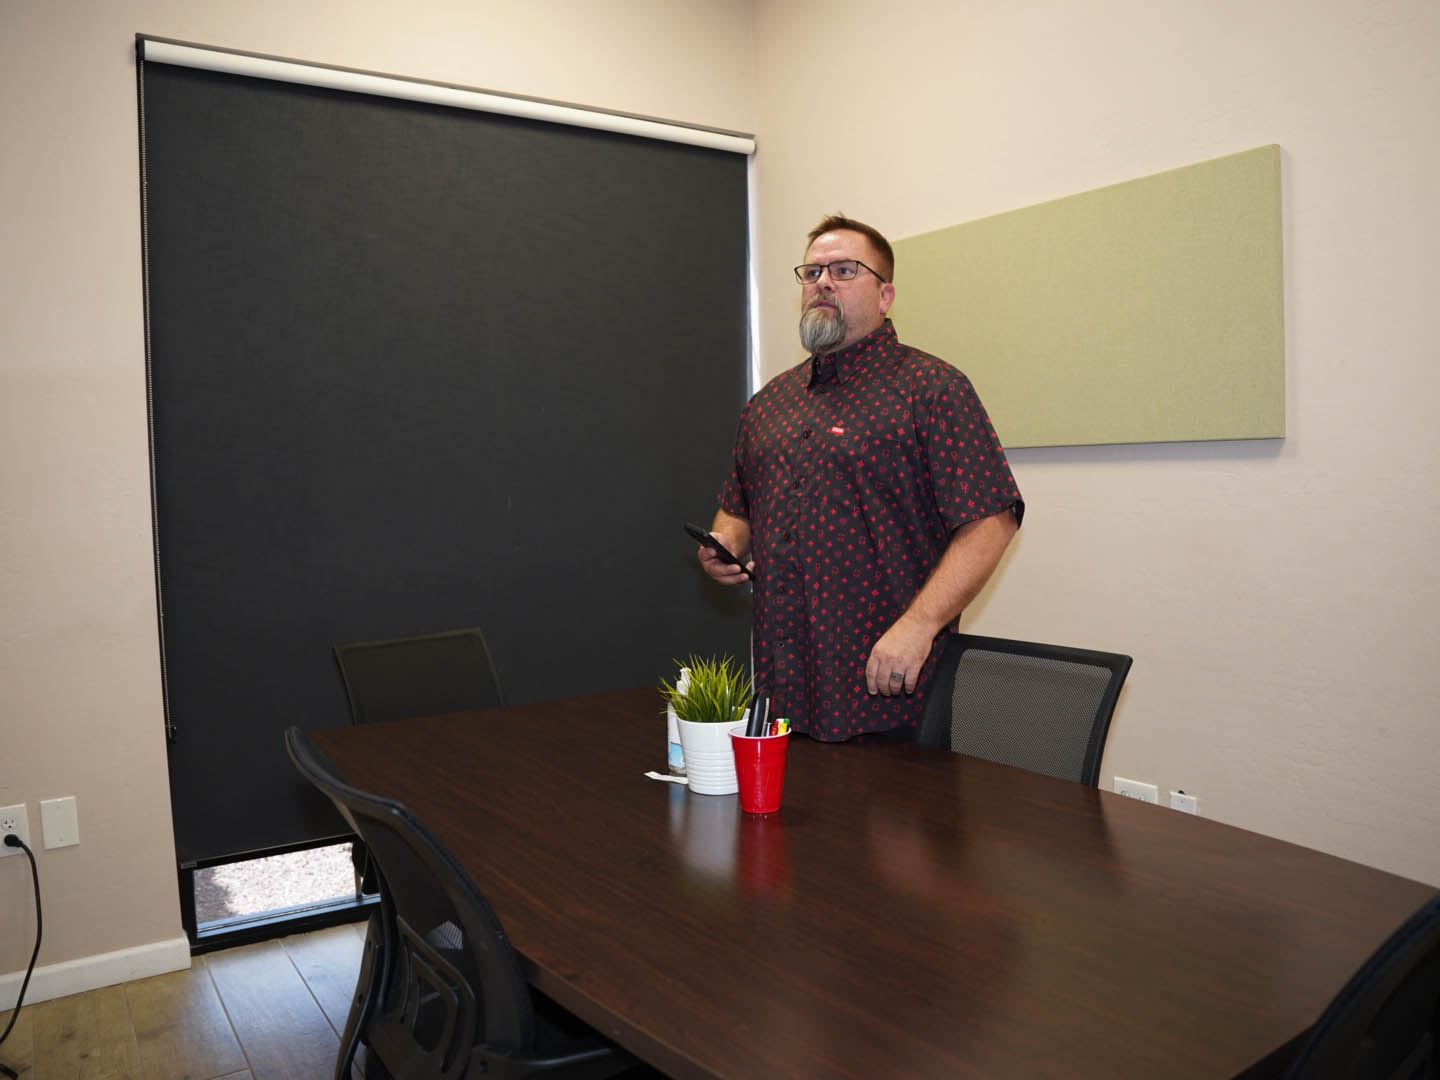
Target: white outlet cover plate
[
  {"x": 1136, "y": 789},
  {"x": 1186, "y": 804},
  {"x": 59, "y": 824}
]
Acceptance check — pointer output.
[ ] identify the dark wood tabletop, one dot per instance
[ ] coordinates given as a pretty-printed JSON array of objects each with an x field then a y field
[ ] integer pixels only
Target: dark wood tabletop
[{"x": 908, "y": 913}]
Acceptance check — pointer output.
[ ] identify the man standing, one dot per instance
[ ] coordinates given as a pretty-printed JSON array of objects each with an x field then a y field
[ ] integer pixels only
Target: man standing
[{"x": 869, "y": 496}]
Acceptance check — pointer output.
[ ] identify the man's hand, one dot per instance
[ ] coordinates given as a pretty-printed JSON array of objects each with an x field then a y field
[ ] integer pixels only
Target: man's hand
[
  {"x": 724, "y": 572},
  {"x": 896, "y": 660},
  {"x": 734, "y": 533}
]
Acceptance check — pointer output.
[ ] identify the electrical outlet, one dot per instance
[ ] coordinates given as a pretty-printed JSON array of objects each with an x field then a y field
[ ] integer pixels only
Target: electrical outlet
[
  {"x": 1186, "y": 804},
  {"x": 1135, "y": 789},
  {"x": 13, "y": 819}
]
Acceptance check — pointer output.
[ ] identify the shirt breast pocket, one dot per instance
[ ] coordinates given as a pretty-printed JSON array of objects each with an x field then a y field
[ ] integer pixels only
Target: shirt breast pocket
[{"x": 876, "y": 460}]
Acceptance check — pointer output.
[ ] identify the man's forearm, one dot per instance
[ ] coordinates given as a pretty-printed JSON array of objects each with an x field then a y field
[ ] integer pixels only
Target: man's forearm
[{"x": 964, "y": 567}]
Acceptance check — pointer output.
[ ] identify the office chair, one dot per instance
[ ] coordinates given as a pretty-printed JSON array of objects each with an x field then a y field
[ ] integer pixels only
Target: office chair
[
  {"x": 401, "y": 678},
  {"x": 1045, "y": 708},
  {"x": 1385, "y": 1022},
  {"x": 443, "y": 996}
]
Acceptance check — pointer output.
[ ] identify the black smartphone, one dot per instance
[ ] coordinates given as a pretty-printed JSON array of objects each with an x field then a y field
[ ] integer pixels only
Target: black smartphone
[{"x": 703, "y": 536}]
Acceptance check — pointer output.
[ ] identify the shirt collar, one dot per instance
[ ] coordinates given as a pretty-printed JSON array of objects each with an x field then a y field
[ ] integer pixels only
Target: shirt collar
[{"x": 841, "y": 365}]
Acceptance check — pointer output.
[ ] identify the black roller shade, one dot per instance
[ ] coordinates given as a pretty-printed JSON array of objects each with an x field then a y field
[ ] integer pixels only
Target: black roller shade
[{"x": 415, "y": 368}]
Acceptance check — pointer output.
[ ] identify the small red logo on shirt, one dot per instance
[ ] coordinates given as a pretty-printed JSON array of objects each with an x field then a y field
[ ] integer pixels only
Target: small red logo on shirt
[{"x": 837, "y": 430}]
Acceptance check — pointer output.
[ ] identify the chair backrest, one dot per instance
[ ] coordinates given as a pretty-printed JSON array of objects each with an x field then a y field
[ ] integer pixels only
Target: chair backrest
[
  {"x": 1385, "y": 1022},
  {"x": 418, "y": 676},
  {"x": 452, "y": 984},
  {"x": 1045, "y": 708}
]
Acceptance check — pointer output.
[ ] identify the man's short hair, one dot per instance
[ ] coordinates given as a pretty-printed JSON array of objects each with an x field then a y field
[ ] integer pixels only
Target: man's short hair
[{"x": 876, "y": 238}]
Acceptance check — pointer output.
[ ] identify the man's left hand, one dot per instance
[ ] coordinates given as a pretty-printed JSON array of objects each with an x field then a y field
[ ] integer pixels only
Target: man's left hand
[{"x": 898, "y": 656}]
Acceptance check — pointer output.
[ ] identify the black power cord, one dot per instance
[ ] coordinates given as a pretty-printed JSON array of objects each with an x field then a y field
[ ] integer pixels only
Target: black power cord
[{"x": 11, "y": 840}]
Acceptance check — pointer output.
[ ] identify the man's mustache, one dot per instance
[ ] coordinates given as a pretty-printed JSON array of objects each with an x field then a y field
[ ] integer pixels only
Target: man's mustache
[{"x": 827, "y": 301}]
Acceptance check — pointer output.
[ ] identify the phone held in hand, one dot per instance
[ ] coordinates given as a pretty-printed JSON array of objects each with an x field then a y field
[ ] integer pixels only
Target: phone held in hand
[{"x": 702, "y": 536}]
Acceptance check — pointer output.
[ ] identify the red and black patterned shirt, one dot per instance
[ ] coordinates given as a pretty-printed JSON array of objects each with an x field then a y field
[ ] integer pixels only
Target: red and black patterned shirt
[{"x": 853, "y": 470}]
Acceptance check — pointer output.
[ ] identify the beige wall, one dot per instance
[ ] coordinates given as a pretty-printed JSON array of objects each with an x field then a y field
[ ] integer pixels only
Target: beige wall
[
  {"x": 1280, "y": 598},
  {"x": 80, "y": 710}
]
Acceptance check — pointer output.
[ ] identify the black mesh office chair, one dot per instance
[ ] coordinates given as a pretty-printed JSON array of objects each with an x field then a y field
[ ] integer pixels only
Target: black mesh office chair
[
  {"x": 443, "y": 996},
  {"x": 1385, "y": 1023},
  {"x": 1045, "y": 708},
  {"x": 424, "y": 675}
]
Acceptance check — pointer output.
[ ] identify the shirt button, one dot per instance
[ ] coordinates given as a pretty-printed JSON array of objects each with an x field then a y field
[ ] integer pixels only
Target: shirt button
[
  {"x": 806, "y": 433},
  {"x": 795, "y": 485}
]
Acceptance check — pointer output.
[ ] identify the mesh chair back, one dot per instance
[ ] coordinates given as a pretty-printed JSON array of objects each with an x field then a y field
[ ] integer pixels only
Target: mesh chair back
[
  {"x": 452, "y": 982},
  {"x": 1045, "y": 708},
  {"x": 1385, "y": 1022},
  {"x": 426, "y": 675}
]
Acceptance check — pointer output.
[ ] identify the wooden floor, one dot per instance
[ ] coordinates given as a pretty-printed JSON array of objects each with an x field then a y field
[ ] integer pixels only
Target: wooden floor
[{"x": 273, "y": 1010}]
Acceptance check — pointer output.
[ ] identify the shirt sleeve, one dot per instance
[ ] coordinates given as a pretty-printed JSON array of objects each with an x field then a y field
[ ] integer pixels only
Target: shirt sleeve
[
  {"x": 967, "y": 467},
  {"x": 732, "y": 498}
]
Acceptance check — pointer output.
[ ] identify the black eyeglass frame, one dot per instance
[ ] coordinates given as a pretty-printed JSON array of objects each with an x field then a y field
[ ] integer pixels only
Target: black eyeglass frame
[{"x": 826, "y": 266}]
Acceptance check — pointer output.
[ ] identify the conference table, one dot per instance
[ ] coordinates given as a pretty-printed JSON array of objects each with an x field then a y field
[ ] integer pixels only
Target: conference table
[{"x": 909, "y": 912}]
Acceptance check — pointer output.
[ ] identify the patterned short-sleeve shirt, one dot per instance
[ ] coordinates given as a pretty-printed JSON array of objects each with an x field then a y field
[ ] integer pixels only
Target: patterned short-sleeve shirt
[{"x": 853, "y": 470}]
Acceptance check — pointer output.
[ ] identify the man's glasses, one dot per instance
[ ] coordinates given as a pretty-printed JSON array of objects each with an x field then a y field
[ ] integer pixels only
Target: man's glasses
[{"x": 840, "y": 270}]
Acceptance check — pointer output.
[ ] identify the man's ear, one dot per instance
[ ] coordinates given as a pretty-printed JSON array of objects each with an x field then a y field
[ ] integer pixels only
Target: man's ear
[{"x": 887, "y": 297}]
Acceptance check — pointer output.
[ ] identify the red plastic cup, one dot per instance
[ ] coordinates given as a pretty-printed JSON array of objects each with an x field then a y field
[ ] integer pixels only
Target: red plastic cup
[{"x": 760, "y": 771}]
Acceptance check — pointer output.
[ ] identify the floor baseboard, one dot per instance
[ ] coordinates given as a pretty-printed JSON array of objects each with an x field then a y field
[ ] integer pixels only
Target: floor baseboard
[{"x": 92, "y": 972}]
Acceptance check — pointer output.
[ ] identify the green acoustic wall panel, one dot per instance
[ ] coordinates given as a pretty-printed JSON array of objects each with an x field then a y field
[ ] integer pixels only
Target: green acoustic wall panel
[{"x": 1149, "y": 311}]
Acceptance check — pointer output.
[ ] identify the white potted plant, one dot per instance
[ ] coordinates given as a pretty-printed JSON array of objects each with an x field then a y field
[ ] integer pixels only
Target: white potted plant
[{"x": 712, "y": 703}]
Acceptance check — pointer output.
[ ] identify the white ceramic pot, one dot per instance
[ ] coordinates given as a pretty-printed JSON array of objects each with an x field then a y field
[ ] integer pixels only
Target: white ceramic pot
[{"x": 709, "y": 759}]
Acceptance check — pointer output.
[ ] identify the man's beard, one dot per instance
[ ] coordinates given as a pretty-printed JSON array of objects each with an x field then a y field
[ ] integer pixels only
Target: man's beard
[{"x": 822, "y": 328}]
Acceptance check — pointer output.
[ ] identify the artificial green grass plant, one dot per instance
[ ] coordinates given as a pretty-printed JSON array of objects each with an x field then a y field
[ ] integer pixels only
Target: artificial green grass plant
[{"x": 718, "y": 692}]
